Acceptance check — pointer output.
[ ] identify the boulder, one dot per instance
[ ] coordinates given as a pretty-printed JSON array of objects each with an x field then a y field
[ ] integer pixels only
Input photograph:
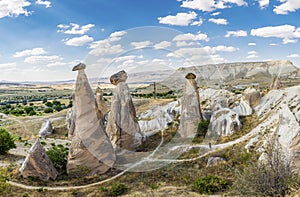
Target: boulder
[
  {"x": 213, "y": 161},
  {"x": 91, "y": 151},
  {"x": 224, "y": 122},
  {"x": 38, "y": 164},
  {"x": 190, "y": 108},
  {"x": 243, "y": 108},
  {"x": 252, "y": 97},
  {"x": 122, "y": 126},
  {"x": 46, "y": 129}
]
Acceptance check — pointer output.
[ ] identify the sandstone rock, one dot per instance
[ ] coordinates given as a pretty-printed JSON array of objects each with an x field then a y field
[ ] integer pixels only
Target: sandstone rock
[
  {"x": 252, "y": 96},
  {"x": 70, "y": 122},
  {"x": 101, "y": 103},
  {"x": 275, "y": 85},
  {"x": 38, "y": 164},
  {"x": 213, "y": 161},
  {"x": 243, "y": 109},
  {"x": 190, "y": 108},
  {"x": 79, "y": 66},
  {"x": 122, "y": 126},
  {"x": 91, "y": 151},
  {"x": 46, "y": 129},
  {"x": 224, "y": 122}
]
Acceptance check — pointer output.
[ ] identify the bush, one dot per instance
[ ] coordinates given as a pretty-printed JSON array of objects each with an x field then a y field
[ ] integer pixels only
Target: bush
[
  {"x": 7, "y": 141},
  {"x": 202, "y": 128},
  {"x": 48, "y": 104},
  {"x": 270, "y": 177},
  {"x": 58, "y": 108},
  {"x": 3, "y": 179},
  {"x": 210, "y": 184},
  {"x": 48, "y": 110},
  {"x": 59, "y": 157},
  {"x": 118, "y": 189}
]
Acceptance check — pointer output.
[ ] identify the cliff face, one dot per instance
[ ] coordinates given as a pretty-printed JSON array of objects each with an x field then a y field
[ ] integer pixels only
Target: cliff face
[{"x": 235, "y": 74}]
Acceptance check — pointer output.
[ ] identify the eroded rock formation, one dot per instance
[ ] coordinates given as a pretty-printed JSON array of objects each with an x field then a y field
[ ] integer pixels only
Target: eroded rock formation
[
  {"x": 252, "y": 96},
  {"x": 91, "y": 151},
  {"x": 122, "y": 126},
  {"x": 46, "y": 129},
  {"x": 101, "y": 103},
  {"x": 38, "y": 164},
  {"x": 190, "y": 108}
]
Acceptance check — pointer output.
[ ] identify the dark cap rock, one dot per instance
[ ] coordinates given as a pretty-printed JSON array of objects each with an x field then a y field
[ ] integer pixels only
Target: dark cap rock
[
  {"x": 118, "y": 77},
  {"x": 190, "y": 76},
  {"x": 79, "y": 66}
]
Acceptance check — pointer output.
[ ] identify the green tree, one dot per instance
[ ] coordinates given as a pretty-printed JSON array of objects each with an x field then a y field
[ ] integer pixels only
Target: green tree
[
  {"x": 48, "y": 110},
  {"x": 48, "y": 104},
  {"x": 59, "y": 157},
  {"x": 7, "y": 141}
]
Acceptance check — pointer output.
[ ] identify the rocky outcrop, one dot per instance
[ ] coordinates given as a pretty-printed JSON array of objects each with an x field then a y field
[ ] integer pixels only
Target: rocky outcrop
[
  {"x": 70, "y": 122},
  {"x": 101, "y": 103},
  {"x": 252, "y": 97},
  {"x": 223, "y": 122},
  {"x": 275, "y": 85},
  {"x": 213, "y": 161},
  {"x": 38, "y": 164},
  {"x": 122, "y": 126},
  {"x": 46, "y": 129},
  {"x": 190, "y": 108},
  {"x": 243, "y": 108},
  {"x": 91, "y": 151}
]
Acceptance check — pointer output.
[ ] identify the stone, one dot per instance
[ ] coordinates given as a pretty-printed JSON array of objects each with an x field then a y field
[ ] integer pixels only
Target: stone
[
  {"x": 91, "y": 151},
  {"x": 101, "y": 104},
  {"x": 243, "y": 108},
  {"x": 252, "y": 96},
  {"x": 190, "y": 108},
  {"x": 224, "y": 122},
  {"x": 118, "y": 77},
  {"x": 38, "y": 164},
  {"x": 70, "y": 122},
  {"x": 275, "y": 85},
  {"x": 46, "y": 129},
  {"x": 213, "y": 161},
  {"x": 122, "y": 125},
  {"x": 79, "y": 66}
]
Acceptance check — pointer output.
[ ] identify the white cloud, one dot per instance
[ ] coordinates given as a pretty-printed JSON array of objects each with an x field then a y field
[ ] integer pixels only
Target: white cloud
[
  {"x": 162, "y": 45},
  {"x": 210, "y": 5},
  {"x": 57, "y": 64},
  {"x": 273, "y": 44},
  {"x": 293, "y": 55},
  {"x": 287, "y": 6},
  {"x": 74, "y": 28},
  {"x": 8, "y": 65},
  {"x": 239, "y": 33},
  {"x": 252, "y": 54},
  {"x": 251, "y": 44},
  {"x": 287, "y": 32},
  {"x": 215, "y": 13},
  {"x": 47, "y": 4},
  {"x": 30, "y": 52},
  {"x": 180, "y": 19},
  {"x": 78, "y": 41},
  {"x": 139, "y": 45},
  {"x": 197, "y": 23},
  {"x": 263, "y": 3},
  {"x": 189, "y": 37},
  {"x": 219, "y": 21},
  {"x": 14, "y": 8},
  {"x": 222, "y": 48},
  {"x": 38, "y": 59}
]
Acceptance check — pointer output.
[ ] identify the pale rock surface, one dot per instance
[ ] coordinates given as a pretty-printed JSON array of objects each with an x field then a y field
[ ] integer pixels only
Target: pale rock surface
[
  {"x": 91, "y": 151},
  {"x": 213, "y": 161},
  {"x": 38, "y": 164},
  {"x": 190, "y": 108},
  {"x": 276, "y": 84},
  {"x": 70, "y": 122},
  {"x": 46, "y": 129},
  {"x": 122, "y": 125},
  {"x": 243, "y": 108},
  {"x": 224, "y": 122},
  {"x": 252, "y": 96},
  {"x": 101, "y": 104}
]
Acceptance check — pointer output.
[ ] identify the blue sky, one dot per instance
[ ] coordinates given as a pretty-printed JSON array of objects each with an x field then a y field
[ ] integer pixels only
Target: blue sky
[{"x": 41, "y": 40}]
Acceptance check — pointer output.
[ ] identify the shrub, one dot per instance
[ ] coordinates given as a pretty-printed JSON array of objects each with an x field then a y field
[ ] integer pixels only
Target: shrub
[
  {"x": 270, "y": 177},
  {"x": 44, "y": 100},
  {"x": 210, "y": 184},
  {"x": 48, "y": 104},
  {"x": 7, "y": 141},
  {"x": 59, "y": 157},
  {"x": 48, "y": 110},
  {"x": 58, "y": 108},
  {"x": 3, "y": 179},
  {"x": 118, "y": 189},
  {"x": 202, "y": 128}
]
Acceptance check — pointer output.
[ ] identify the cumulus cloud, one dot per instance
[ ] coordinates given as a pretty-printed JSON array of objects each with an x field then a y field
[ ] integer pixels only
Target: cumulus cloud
[
  {"x": 287, "y": 6},
  {"x": 288, "y": 33},
  {"x": 252, "y": 54},
  {"x": 219, "y": 21},
  {"x": 78, "y": 41},
  {"x": 251, "y": 44},
  {"x": 197, "y": 23},
  {"x": 14, "y": 8},
  {"x": 74, "y": 28},
  {"x": 30, "y": 52},
  {"x": 215, "y": 13},
  {"x": 263, "y": 3},
  {"x": 180, "y": 19},
  {"x": 162, "y": 45},
  {"x": 190, "y": 36},
  {"x": 47, "y": 4},
  {"x": 210, "y": 5},
  {"x": 57, "y": 64},
  {"x": 239, "y": 33},
  {"x": 273, "y": 44},
  {"x": 293, "y": 55},
  {"x": 139, "y": 45},
  {"x": 39, "y": 59}
]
